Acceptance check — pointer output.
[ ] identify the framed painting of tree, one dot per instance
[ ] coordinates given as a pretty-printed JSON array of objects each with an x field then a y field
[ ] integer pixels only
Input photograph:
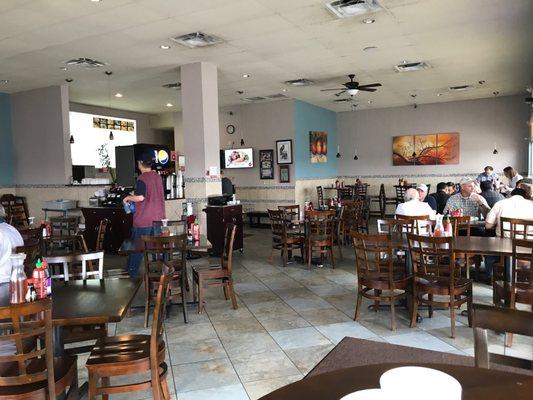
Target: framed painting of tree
[{"x": 431, "y": 149}]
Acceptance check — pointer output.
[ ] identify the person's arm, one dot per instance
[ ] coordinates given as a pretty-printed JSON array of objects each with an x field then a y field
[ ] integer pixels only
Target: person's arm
[
  {"x": 432, "y": 203},
  {"x": 482, "y": 203},
  {"x": 492, "y": 216},
  {"x": 138, "y": 196}
]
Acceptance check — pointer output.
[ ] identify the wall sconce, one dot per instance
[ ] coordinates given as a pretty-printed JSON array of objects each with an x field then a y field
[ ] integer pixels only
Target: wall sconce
[
  {"x": 71, "y": 139},
  {"x": 338, "y": 155}
]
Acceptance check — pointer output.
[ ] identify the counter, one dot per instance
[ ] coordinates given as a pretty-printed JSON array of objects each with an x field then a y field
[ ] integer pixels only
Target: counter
[{"x": 118, "y": 228}]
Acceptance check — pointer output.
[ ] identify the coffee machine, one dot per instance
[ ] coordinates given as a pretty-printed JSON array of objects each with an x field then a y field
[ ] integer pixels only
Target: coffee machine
[{"x": 127, "y": 171}]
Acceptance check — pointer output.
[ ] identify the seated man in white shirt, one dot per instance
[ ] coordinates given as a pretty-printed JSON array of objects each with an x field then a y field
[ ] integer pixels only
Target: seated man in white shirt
[
  {"x": 10, "y": 232},
  {"x": 412, "y": 205},
  {"x": 5, "y": 269},
  {"x": 516, "y": 206}
]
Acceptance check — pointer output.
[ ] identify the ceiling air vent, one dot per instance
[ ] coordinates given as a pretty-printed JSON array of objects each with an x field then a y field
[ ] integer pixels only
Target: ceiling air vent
[
  {"x": 351, "y": 8},
  {"x": 252, "y": 99},
  {"x": 196, "y": 39},
  {"x": 342, "y": 100},
  {"x": 175, "y": 85},
  {"x": 300, "y": 82},
  {"x": 85, "y": 62},
  {"x": 277, "y": 96},
  {"x": 460, "y": 88},
  {"x": 414, "y": 66}
]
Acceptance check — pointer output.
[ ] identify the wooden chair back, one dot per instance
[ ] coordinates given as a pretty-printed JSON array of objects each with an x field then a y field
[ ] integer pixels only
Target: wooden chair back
[
  {"x": 16, "y": 210},
  {"x": 373, "y": 256},
  {"x": 76, "y": 266},
  {"x": 516, "y": 228},
  {"x": 31, "y": 233},
  {"x": 100, "y": 235},
  {"x": 32, "y": 249},
  {"x": 320, "y": 195},
  {"x": 460, "y": 225},
  {"x": 321, "y": 223},
  {"x": 179, "y": 226},
  {"x": 353, "y": 214},
  {"x": 522, "y": 264},
  {"x": 278, "y": 224},
  {"x": 390, "y": 226},
  {"x": 161, "y": 250},
  {"x": 361, "y": 190},
  {"x": 292, "y": 212},
  {"x": 64, "y": 226},
  {"x": 400, "y": 192},
  {"x": 30, "y": 334},
  {"x": 433, "y": 256},
  {"x": 499, "y": 320},
  {"x": 420, "y": 224},
  {"x": 156, "y": 337},
  {"x": 345, "y": 193},
  {"x": 226, "y": 260}
]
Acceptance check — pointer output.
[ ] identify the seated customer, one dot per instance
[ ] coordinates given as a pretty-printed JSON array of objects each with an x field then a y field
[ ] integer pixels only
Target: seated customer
[
  {"x": 527, "y": 185},
  {"x": 513, "y": 176},
  {"x": 488, "y": 194},
  {"x": 441, "y": 196},
  {"x": 450, "y": 188},
  {"x": 5, "y": 269},
  {"x": 422, "y": 194},
  {"x": 413, "y": 206},
  {"x": 516, "y": 206},
  {"x": 10, "y": 232},
  {"x": 488, "y": 175},
  {"x": 470, "y": 202}
]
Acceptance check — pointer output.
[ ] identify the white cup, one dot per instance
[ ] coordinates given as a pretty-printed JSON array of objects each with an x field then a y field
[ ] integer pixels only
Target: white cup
[{"x": 164, "y": 222}]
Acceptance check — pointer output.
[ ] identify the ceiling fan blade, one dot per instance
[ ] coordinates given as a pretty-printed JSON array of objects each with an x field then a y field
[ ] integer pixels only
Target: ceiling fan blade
[
  {"x": 341, "y": 92},
  {"x": 326, "y": 90},
  {"x": 370, "y": 85},
  {"x": 367, "y": 89}
]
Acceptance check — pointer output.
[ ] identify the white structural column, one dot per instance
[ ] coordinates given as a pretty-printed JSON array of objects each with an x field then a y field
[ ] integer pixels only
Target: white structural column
[{"x": 199, "y": 99}]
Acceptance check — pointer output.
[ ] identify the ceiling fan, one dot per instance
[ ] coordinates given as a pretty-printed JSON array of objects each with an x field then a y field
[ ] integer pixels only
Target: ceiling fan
[{"x": 353, "y": 87}]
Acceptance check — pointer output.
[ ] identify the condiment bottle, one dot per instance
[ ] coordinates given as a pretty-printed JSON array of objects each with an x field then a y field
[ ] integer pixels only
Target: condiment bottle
[
  {"x": 39, "y": 279},
  {"x": 18, "y": 282},
  {"x": 196, "y": 232},
  {"x": 439, "y": 229},
  {"x": 447, "y": 226}
]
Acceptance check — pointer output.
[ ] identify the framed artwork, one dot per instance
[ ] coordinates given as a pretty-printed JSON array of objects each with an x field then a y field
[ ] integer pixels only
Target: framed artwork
[
  {"x": 284, "y": 151},
  {"x": 318, "y": 147},
  {"x": 266, "y": 164},
  {"x": 284, "y": 174},
  {"x": 431, "y": 149}
]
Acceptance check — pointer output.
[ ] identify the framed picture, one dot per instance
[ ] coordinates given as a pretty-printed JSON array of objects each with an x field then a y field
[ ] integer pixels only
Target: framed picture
[
  {"x": 266, "y": 164},
  {"x": 284, "y": 175},
  {"x": 318, "y": 147},
  {"x": 284, "y": 151}
]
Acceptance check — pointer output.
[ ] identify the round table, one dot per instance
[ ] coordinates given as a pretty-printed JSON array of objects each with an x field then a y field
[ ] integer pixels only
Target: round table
[{"x": 477, "y": 383}]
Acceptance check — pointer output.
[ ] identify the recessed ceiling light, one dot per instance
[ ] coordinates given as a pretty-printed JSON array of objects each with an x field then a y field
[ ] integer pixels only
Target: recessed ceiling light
[
  {"x": 4, "y": 81},
  {"x": 245, "y": 75},
  {"x": 63, "y": 68},
  {"x": 164, "y": 47},
  {"x": 69, "y": 80},
  {"x": 405, "y": 62},
  {"x": 370, "y": 101},
  {"x": 284, "y": 90},
  {"x": 481, "y": 82},
  {"x": 96, "y": 1},
  {"x": 369, "y": 48},
  {"x": 368, "y": 21},
  {"x": 118, "y": 95},
  {"x": 196, "y": 39},
  {"x": 170, "y": 105},
  {"x": 439, "y": 94},
  {"x": 496, "y": 93}
]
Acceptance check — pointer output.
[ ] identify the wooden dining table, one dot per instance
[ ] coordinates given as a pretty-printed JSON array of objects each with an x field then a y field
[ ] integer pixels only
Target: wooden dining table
[
  {"x": 130, "y": 246},
  {"x": 477, "y": 383}
]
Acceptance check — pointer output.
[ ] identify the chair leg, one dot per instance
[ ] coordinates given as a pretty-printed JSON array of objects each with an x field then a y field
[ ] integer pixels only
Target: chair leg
[
  {"x": 358, "y": 303},
  {"x": 309, "y": 253},
  {"x": 332, "y": 256},
  {"x": 225, "y": 289},
  {"x": 105, "y": 383},
  {"x": 452, "y": 314},
  {"x": 93, "y": 380},
  {"x": 200, "y": 295},
  {"x": 232, "y": 295},
  {"x": 164, "y": 387},
  {"x": 147, "y": 308},
  {"x": 184, "y": 301},
  {"x": 194, "y": 288},
  {"x": 430, "y": 307},
  {"x": 340, "y": 249},
  {"x": 376, "y": 302},
  {"x": 392, "y": 313},
  {"x": 285, "y": 254},
  {"x": 414, "y": 310},
  {"x": 469, "y": 307}
]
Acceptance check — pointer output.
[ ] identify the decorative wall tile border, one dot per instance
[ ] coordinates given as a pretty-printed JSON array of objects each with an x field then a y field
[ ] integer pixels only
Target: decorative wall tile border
[
  {"x": 291, "y": 187},
  {"x": 249, "y": 201},
  {"x": 460, "y": 174},
  {"x": 202, "y": 179},
  {"x": 50, "y": 185},
  {"x": 318, "y": 178}
]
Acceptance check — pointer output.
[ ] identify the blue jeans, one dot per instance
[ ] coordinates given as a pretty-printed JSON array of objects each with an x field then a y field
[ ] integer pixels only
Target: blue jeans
[
  {"x": 135, "y": 259},
  {"x": 489, "y": 265}
]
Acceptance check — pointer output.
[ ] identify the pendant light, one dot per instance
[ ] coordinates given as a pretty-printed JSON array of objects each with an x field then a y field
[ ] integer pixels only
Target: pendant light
[
  {"x": 71, "y": 139},
  {"x": 338, "y": 152},
  {"x": 355, "y": 156},
  {"x": 109, "y": 73},
  {"x": 495, "y": 151}
]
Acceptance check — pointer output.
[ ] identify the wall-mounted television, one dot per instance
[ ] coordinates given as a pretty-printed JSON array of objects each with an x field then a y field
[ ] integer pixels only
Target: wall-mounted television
[{"x": 239, "y": 158}]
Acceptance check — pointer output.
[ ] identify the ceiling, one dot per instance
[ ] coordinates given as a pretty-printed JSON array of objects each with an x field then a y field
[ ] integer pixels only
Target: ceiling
[{"x": 272, "y": 40}]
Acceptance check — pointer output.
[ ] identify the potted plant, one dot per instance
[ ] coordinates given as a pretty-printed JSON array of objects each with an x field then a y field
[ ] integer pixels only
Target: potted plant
[{"x": 105, "y": 161}]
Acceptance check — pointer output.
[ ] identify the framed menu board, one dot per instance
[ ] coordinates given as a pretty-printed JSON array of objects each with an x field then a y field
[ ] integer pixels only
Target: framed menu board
[{"x": 266, "y": 164}]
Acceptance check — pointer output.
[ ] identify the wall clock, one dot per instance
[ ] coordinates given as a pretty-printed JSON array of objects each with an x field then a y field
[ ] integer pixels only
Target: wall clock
[{"x": 230, "y": 129}]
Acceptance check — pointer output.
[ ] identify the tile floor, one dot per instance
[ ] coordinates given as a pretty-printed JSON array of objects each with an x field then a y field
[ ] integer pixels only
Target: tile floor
[{"x": 288, "y": 319}]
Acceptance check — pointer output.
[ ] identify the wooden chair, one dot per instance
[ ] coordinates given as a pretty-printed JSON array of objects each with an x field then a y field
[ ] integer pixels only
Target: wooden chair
[
  {"x": 180, "y": 226},
  {"x": 31, "y": 233},
  {"x": 321, "y": 231},
  {"x": 360, "y": 190},
  {"x": 76, "y": 266},
  {"x": 379, "y": 276},
  {"x": 32, "y": 249},
  {"x": 292, "y": 212},
  {"x": 519, "y": 289},
  {"x": 100, "y": 234},
  {"x": 420, "y": 223},
  {"x": 31, "y": 371},
  {"x": 353, "y": 218},
  {"x": 160, "y": 251},
  {"x": 133, "y": 354},
  {"x": 282, "y": 239},
  {"x": 64, "y": 226},
  {"x": 217, "y": 275},
  {"x": 16, "y": 210},
  {"x": 345, "y": 193},
  {"x": 499, "y": 320},
  {"x": 400, "y": 192},
  {"x": 320, "y": 195},
  {"x": 461, "y": 227},
  {"x": 435, "y": 273}
]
